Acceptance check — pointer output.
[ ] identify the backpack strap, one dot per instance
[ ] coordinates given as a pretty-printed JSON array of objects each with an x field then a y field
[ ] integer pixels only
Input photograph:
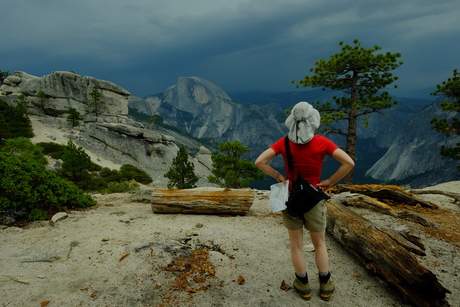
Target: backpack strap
[{"x": 288, "y": 155}]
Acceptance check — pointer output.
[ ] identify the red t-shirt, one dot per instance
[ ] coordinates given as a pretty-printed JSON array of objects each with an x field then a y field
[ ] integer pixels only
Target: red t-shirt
[{"x": 307, "y": 158}]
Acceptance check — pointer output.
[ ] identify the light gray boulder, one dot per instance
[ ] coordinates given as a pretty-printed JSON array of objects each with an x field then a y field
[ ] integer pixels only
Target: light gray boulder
[{"x": 65, "y": 90}]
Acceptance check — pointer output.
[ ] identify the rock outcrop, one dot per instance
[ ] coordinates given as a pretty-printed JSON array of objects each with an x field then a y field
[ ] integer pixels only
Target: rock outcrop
[
  {"x": 67, "y": 90},
  {"x": 109, "y": 133}
]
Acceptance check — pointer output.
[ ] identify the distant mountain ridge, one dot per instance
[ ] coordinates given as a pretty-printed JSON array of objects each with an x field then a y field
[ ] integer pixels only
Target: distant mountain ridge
[
  {"x": 399, "y": 147},
  {"x": 204, "y": 111},
  {"x": 220, "y": 117}
]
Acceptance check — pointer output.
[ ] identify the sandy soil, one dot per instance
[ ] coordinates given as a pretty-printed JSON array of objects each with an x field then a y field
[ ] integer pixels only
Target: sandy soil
[{"x": 120, "y": 253}]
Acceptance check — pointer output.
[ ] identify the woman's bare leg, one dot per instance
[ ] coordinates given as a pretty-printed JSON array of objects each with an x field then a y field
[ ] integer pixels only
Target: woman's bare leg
[
  {"x": 297, "y": 256},
  {"x": 321, "y": 255}
]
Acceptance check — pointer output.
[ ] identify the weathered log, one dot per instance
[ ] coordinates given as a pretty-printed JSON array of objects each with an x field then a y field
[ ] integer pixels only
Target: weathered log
[
  {"x": 394, "y": 193},
  {"x": 203, "y": 201},
  {"x": 455, "y": 196},
  {"x": 414, "y": 217},
  {"x": 378, "y": 250},
  {"x": 404, "y": 242},
  {"x": 364, "y": 201}
]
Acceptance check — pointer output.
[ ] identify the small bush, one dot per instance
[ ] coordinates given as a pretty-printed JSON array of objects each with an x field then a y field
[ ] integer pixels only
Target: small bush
[
  {"x": 26, "y": 187},
  {"x": 23, "y": 147},
  {"x": 14, "y": 121},
  {"x": 54, "y": 150},
  {"x": 92, "y": 184},
  {"x": 37, "y": 215},
  {"x": 110, "y": 175},
  {"x": 130, "y": 172}
]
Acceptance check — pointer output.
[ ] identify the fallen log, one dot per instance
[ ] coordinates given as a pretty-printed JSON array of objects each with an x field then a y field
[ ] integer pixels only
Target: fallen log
[
  {"x": 377, "y": 250},
  {"x": 388, "y": 192},
  {"x": 364, "y": 201},
  {"x": 203, "y": 201},
  {"x": 455, "y": 196}
]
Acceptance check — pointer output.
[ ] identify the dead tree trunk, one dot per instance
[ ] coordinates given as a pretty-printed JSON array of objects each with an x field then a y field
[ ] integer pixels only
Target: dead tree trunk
[
  {"x": 378, "y": 250},
  {"x": 394, "y": 193},
  {"x": 197, "y": 201},
  {"x": 455, "y": 196}
]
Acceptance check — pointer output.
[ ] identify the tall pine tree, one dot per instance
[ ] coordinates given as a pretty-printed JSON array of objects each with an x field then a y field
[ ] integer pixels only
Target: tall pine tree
[{"x": 361, "y": 76}]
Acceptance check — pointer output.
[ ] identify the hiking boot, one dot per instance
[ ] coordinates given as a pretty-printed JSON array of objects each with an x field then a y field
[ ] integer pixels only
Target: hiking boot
[
  {"x": 303, "y": 289},
  {"x": 326, "y": 289}
]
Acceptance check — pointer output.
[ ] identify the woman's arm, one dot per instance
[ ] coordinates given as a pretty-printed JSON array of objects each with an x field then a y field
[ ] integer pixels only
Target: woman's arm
[
  {"x": 346, "y": 166},
  {"x": 262, "y": 164}
]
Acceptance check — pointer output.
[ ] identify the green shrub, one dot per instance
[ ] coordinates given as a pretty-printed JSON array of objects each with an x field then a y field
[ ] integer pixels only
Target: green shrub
[
  {"x": 129, "y": 172},
  {"x": 78, "y": 167},
  {"x": 27, "y": 187},
  {"x": 23, "y": 147},
  {"x": 95, "y": 167},
  {"x": 121, "y": 187},
  {"x": 37, "y": 215},
  {"x": 92, "y": 184},
  {"x": 110, "y": 175},
  {"x": 54, "y": 150},
  {"x": 14, "y": 121}
]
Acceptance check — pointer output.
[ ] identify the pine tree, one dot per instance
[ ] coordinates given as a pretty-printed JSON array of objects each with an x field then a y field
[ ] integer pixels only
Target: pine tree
[
  {"x": 43, "y": 99},
  {"x": 450, "y": 90},
  {"x": 76, "y": 163},
  {"x": 230, "y": 170},
  {"x": 181, "y": 174},
  {"x": 73, "y": 117},
  {"x": 96, "y": 101},
  {"x": 362, "y": 77}
]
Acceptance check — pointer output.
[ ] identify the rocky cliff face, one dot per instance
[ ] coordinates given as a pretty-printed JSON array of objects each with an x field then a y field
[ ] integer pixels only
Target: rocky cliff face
[
  {"x": 67, "y": 90},
  {"x": 110, "y": 134},
  {"x": 204, "y": 111},
  {"x": 413, "y": 157}
]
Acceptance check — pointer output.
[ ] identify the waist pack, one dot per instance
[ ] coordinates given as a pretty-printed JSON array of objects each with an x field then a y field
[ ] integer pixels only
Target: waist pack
[{"x": 304, "y": 196}]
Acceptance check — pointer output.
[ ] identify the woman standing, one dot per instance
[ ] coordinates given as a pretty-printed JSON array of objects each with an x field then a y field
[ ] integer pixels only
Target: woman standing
[{"x": 308, "y": 153}]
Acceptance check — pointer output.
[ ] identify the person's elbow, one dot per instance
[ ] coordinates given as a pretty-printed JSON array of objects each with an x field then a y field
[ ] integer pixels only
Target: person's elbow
[
  {"x": 259, "y": 163},
  {"x": 264, "y": 158},
  {"x": 349, "y": 164}
]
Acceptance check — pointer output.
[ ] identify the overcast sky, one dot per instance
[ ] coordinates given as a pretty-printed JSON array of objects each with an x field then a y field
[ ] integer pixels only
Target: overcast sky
[{"x": 145, "y": 45}]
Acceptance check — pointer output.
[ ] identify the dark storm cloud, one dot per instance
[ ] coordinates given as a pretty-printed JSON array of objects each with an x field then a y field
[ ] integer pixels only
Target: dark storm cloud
[{"x": 145, "y": 46}]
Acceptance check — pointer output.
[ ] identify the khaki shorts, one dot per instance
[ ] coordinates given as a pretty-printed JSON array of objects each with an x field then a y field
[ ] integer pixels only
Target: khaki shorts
[{"x": 314, "y": 220}]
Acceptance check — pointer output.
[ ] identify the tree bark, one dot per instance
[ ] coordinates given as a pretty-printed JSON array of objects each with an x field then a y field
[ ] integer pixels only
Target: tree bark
[
  {"x": 393, "y": 193},
  {"x": 378, "y": 250},
  {"x": 198, "y": 201},
  {"x": 455, "y": 196},
  {"x": 364, "y": 201}
]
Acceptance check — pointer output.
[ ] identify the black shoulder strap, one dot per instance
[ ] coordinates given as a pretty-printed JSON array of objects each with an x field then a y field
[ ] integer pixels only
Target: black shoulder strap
[{"x": 288, "y": 154}]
